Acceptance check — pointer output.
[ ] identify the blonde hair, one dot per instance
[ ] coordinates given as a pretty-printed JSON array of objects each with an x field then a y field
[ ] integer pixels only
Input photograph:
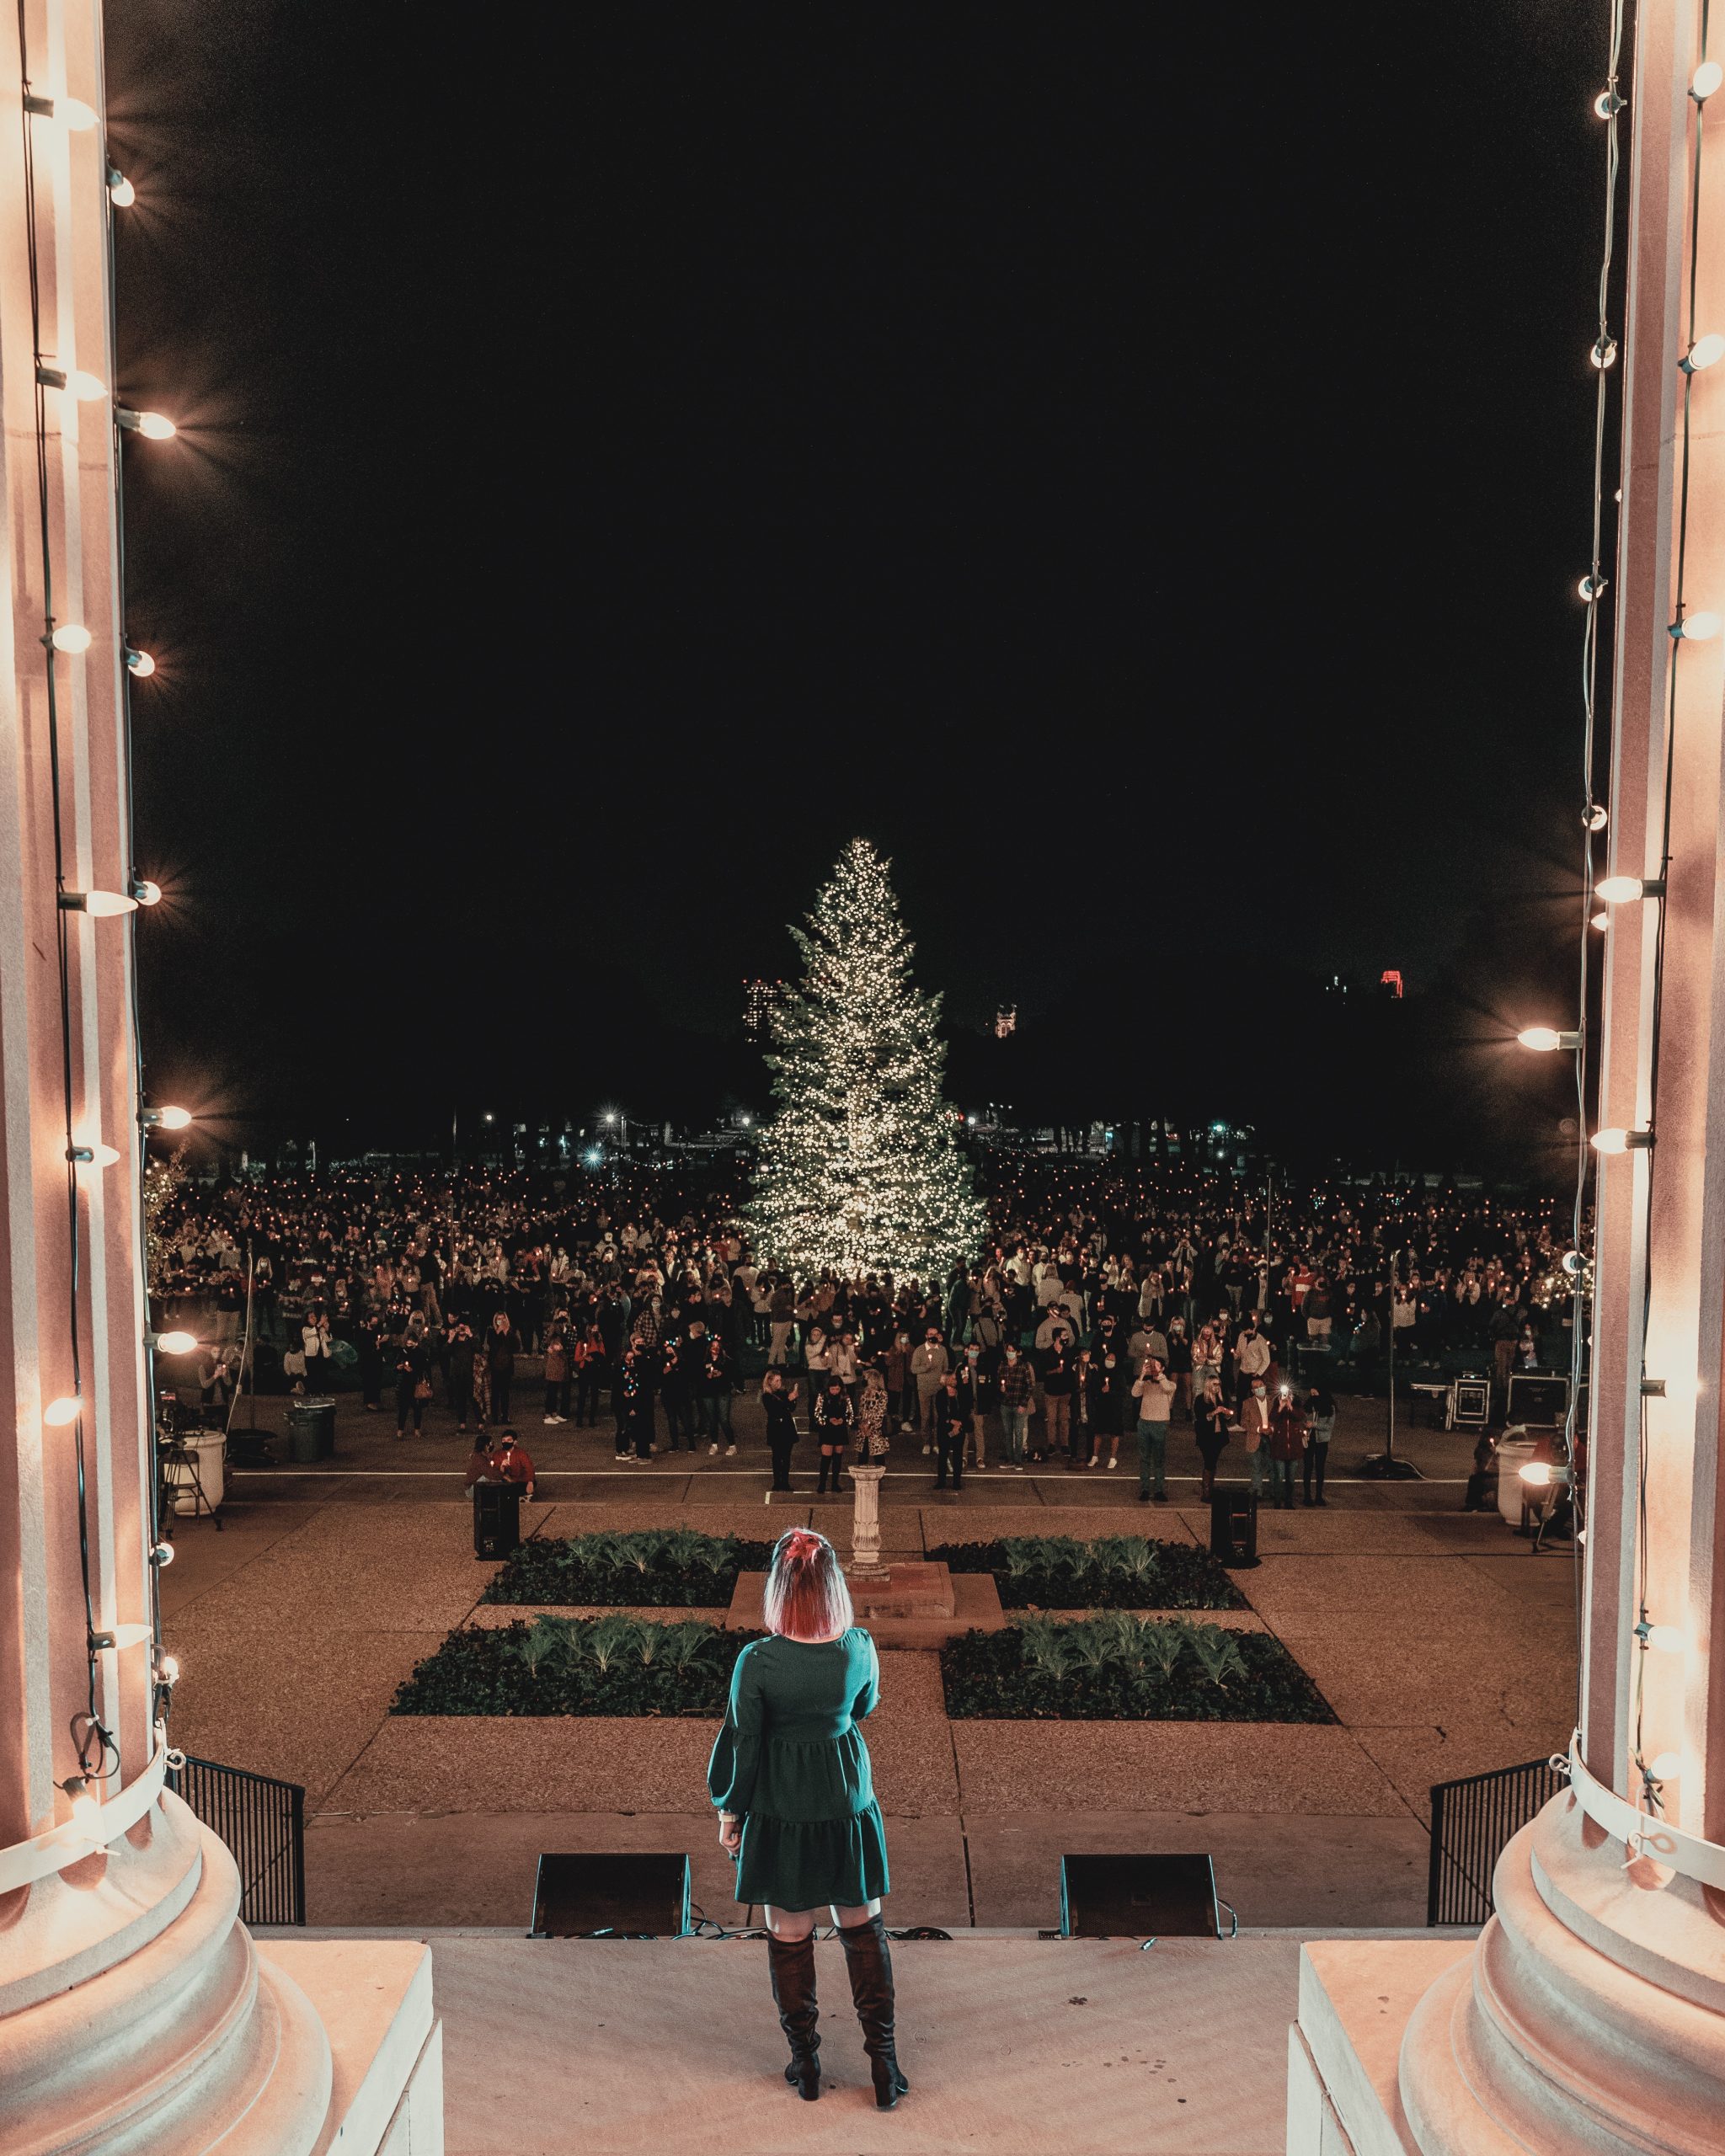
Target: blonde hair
[{"x": 806, "y": 1596}]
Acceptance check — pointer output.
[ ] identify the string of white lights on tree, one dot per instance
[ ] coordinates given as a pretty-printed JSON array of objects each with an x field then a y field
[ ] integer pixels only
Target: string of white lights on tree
[{"x": 95, "y": 1742}]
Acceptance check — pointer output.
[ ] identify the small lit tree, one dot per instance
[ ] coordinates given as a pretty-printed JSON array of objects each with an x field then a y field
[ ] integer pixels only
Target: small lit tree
[{"x": 861, "y": 1169}]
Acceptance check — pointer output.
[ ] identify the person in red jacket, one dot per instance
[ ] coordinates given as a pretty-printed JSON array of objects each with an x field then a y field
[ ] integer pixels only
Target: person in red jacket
[
  {"x": 1288, "y": 1436},
  {"x": 511, "y": 1464}
]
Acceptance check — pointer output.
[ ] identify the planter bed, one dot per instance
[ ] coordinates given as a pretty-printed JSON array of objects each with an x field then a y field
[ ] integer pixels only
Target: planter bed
[
  {"x": 609, "y": 1665},
  {"x": 1058, "y": 1571},
  {"x": 665, "y": 1568},
  {"x": 1115, "y": 1668}
]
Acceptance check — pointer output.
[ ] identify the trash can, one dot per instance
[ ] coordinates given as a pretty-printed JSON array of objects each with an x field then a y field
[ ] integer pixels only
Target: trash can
[
  {"x": 311, "y": 1430},
  {"x": 1233, "y": 1528},
  {"x": 497, "y": 1518}
]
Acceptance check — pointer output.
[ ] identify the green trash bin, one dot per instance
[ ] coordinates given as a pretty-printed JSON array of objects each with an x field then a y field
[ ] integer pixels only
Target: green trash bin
[{"x": 310, "y": 1430}]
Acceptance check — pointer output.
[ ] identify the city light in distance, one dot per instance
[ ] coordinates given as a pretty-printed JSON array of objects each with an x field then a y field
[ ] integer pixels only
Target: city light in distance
[
  {"x": 59, "y": 1412},
  {"x": 1706, "y": 352},
  {"x": 1545, "y": 1038},
  {"x": 72, "y": 635},
  {"x": 1706, "y": 79}
]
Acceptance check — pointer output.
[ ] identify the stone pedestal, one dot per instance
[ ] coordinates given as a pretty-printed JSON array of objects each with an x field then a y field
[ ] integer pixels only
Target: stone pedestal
[{"x": 864, "y": 1563}]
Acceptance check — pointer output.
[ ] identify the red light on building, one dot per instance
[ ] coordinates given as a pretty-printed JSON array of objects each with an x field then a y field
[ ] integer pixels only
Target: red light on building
[{"x": 1390, "y": 979}]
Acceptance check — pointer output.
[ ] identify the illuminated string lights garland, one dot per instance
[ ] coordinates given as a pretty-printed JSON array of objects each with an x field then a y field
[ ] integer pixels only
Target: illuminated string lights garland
[{"x": 95, "y": 1743}]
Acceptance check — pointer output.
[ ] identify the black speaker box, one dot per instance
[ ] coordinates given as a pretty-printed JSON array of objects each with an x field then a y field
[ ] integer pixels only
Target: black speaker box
[
  {"x": 497, "y": 1518},
  {"x": 1233, "y": 1527},
  {"x": 1138, "y": 1898},
  {"x": 607, "y": 1894}
]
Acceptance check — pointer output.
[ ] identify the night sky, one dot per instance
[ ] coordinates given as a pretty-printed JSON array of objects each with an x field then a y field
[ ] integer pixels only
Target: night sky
[{"x": 1131, "y": 463}]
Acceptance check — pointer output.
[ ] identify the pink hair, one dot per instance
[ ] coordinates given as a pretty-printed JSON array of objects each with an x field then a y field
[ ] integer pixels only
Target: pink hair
[{"x": 806, "y": 1596}]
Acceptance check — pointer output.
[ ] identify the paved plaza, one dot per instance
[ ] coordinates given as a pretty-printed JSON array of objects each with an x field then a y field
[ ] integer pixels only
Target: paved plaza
[{"x": 1443, "y": 1645}]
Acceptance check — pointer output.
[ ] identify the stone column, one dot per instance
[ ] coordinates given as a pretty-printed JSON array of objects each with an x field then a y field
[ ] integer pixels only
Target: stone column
[
  {"x": 1591, "y": 2014},
  {"x": 135, "y": 2011},
  {"x": 865, "y": 1524}
]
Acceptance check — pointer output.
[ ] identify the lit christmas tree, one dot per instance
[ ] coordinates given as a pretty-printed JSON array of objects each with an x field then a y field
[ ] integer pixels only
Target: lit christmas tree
[{"x": 860, "y": 1170}]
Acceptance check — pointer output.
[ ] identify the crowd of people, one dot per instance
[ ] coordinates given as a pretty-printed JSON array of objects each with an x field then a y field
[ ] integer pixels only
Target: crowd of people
[{"x": 1115, "y": 1301}]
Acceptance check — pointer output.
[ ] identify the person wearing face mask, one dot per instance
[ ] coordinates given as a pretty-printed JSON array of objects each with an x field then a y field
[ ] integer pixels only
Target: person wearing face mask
[
  {"x": 928, "y": 1366},
  {"x": 1017, "y": 1398},
  {"x": 1112, "y": 1390},
  {"x": 973, "y": 1390},
  {"x": 1255, "y": 1426},
  {"x": 1210, "y": 1417}
]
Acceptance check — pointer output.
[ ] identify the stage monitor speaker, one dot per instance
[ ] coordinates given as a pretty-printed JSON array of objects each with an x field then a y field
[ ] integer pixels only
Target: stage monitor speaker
[
  {"x": 1138, "y": 1897},
  {"x": 612, "y": 1894},
  {"x": 1233, "y": 1527}
]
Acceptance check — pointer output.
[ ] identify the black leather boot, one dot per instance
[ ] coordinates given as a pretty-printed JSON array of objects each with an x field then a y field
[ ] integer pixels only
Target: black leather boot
[
  {"x": 791, "y": 1962},
  {"x": 820, "y": 1487},
  {"x": 870, "y": 1966}
]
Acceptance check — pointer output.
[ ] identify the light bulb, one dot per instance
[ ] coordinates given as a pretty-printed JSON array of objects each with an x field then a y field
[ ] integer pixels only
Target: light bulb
[
  {"x": 145, "y": 892},
  {"x": 1545, "y": 1038},
  {"x": 1622, "y": 890},
  {"x": 1536, "y": 1474},
  {"x": 1610, "y": 1141},
  {"x": 162, "y": 1554},
  {"x": 93, "y": 1154},
  {"x": 120, "y": 191},
  {"x": 86, "y": 1810},
  {"x": 80, "y": 118},
  {"x": 173, "y": 1343},
  {"x": 1706, "y": 352},
  {"x": 1706, "y": 79},
  {"x": 167, "y": 1669},
  {"x": 1592, "y": 587},
  {"x": 59, "y": 1412},
  {"x": 155, "y": 427},
  {"x": 1608, "y": 104},
  {"x": 100, "y": 906},
  {"x": 1604, "y": 355},
  {"x": 123, "y": 1635},
  {"x": 1698, "y": 628},
  {"x": 168, "y": 1119},
  {"x": 1668, "y": 1639},
  {"x": 78, "y": 382},
  {"x": 140, "y": 663},
  {"x": 1601, "y": 921},
  {"x": 72, "y": 635},
  {"x": 1597, "y": 817},
  {"x": 1665, "y": 1766}
]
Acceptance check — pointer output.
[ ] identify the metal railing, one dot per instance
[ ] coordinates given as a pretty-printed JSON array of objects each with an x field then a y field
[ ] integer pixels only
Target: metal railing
[
  {"x": 263, "y": 1823},
  {"x": 1473, "y": 1822}
]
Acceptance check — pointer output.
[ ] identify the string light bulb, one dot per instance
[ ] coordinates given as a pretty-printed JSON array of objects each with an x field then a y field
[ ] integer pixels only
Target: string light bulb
[
  {"x": 1667, "y": 1639},
  {"x": 1706, "y": 352},
  {"x": 1591, "y": 588},
  {"x": 1624, "y": 890},
  {"x": 145, "y": 892},
  {"x": 1697, "y": 629},
  {"x": 71, "y": 636},
  {"x": 1622, "y": 1141},
  {"x": 77, "y": 382},
  {"x": 167, "y": 1669},
  {"x": 94, "y": 1155},
  {"x": 1608, "y": 104},
  {"x": 119, "y": 1636},
  {"x": 100, "y": 906},
  {"x": 1706, "y": 79},
  {"x": 86, "y": 1809},
  {"x": 162, "y": 1556},
  {"x": 58, "y": 1413},
  {"x": 166, "y": 1118},
  {"x": 172, "y": 1343},
  {"x": 1604, "y": 355},
  {"x": 154, "y": 426},
  {"x": 1545, "y": 1038},
  {"x": 1601, "y": 921},
  {"x": 71, "y": 113},
  {"x": 120, "y": 191},
  {"x": 140, "y": 663},
  {"x": 1665, "y": 1766}
]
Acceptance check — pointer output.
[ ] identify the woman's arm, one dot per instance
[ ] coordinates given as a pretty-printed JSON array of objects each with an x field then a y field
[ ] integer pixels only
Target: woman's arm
[
  {"x": 736, "y": 1750},
  {"x": 868, "y": 1699}
]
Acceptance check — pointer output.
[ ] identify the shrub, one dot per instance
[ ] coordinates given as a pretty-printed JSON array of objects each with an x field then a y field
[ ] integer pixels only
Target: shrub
[
  {"x": 1118, "y": 1572},
  {"x": 610, "y": 1665},
  {"x": 655, "y": 1568},
  {"x": 1124, "y": 1669}
]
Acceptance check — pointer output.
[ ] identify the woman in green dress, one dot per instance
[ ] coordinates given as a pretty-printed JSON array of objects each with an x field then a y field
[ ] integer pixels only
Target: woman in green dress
[{"x": 790, "y": 1776}]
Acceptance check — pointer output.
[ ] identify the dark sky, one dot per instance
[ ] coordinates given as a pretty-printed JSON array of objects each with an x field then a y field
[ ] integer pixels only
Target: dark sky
[{"x": 1132, "y": 463}]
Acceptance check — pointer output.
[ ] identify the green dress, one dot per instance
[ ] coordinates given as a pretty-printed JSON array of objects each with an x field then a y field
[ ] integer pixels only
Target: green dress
[{"x": 791, "y": 1763}]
